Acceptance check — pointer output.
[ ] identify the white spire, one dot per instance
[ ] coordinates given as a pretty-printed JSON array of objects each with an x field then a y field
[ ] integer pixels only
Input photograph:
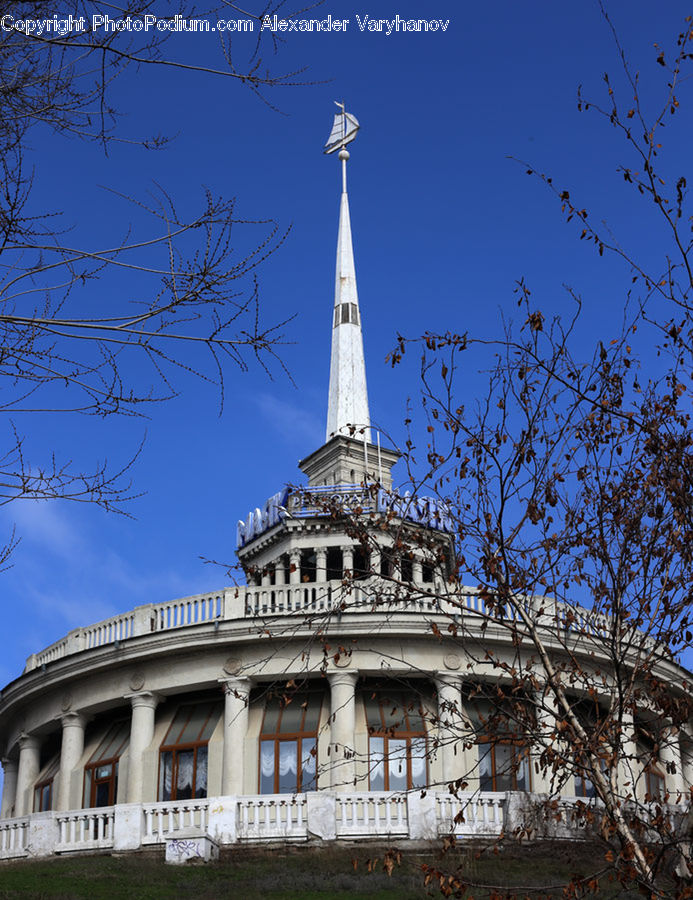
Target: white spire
[{"x": 347, "y": 409}]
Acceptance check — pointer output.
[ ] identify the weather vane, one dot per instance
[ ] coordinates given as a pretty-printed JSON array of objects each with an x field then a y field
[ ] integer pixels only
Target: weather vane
[{"x": 344, "y": 130}]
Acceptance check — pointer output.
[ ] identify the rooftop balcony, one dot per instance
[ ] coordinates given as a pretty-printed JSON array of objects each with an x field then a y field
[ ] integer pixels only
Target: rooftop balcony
[{"x": 328, "y": 601}]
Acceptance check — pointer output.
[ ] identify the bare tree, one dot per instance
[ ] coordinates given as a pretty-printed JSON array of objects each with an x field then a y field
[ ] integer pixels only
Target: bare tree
[
  {"x": 192, "y": 304},
  {"x": 569, "y": 488}
]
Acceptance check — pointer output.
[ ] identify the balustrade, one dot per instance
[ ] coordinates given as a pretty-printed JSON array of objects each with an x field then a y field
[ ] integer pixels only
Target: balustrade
[{"x": 163, "y": 820}]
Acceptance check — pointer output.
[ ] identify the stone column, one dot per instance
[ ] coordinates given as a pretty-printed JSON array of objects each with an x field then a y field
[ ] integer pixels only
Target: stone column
[
  {"x": 295, "y": 564},
  {"x": 450, "y": 726},
  {"x": 71, "y": 751},
  {"x": 670, "y": 756},
  {"x": 144, "y": 705},
  {"x": 547, "y": 739},
  {"x": 628, "y": 768},
  {"x": 27, "y": 773},
  {"x": 9, "y": 787},
  {"x": 375, "y": 560},
  {"x": 342, "y": 726},
  {"x": 320, "y": 564},
  {"x": 237, "y": 693},
  {"x": 416, "y": 571},
  {"x": 348, "y": 559},
  {"x": 279, "y": 572}
]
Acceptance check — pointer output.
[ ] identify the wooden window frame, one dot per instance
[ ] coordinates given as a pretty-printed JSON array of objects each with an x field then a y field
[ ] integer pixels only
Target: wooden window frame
[
  {"x": 279, "y": 737},
  {"x": 520, "y": 751},
  {"x": 90, "y": 783},
  {"x": 176, "y": 749},
  {"x": 398, "y": 734}
]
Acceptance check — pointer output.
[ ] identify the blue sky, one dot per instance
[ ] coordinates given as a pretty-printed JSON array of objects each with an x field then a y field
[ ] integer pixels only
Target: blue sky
[{"x": 444, "y": 223}]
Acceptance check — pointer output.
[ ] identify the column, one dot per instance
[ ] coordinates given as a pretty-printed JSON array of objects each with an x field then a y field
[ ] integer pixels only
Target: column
[
  {"x": 279, "y": 571},
  {"x": 71, "y": 751},
  {"x": 144, "y": 705},
  {"x": 237, "y": 693},
  {"x": 320, "y": 564},
  {"x": 375, "y": 560},
  {"x": 295, "y": 564},
  {"x": 342, "y": 725},
  {"x": 547, "y": 775},
  {"x": 670, "y": 755},
  {"x": 416, "y": 571},
  {"x": 9, "y": 787},
  {"x": 348, "y": 560},
  {"x": 628, "y": 768},
  {"x": 27, "y": 773},
  {"x": 450, "y": 727}
]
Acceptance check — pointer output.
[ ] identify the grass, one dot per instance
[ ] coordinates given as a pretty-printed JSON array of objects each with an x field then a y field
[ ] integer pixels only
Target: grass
[{"x": 294, "y": 873}]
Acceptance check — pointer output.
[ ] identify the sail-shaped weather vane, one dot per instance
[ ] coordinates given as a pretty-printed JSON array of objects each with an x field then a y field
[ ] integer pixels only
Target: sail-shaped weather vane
[{"x": 344, "y": 129}]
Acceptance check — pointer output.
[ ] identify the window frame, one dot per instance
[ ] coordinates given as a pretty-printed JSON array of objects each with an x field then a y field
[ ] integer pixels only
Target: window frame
[
  {"x": 388, "y": 733},
  {"x": 90, "y": 782},
  {"x": 175, "y": 749},
  {"x": 278, "y": 737}
]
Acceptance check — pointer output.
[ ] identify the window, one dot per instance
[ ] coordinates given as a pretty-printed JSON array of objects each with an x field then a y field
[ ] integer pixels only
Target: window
[
  {"x": 43, "y": 788},
  {"x": 648, "y": 752},
  {"x": 503, "y": 765},
  {"x": 334, "y": 564},
  {"x": 101, "y": 770},
  {"x": 591, "y": 718},
  {"x": 501, "y": 726},
  {"x": 397, "y": 758},
  {"x": 288, "y": 742},
  {"x": 183, "y": 752}
]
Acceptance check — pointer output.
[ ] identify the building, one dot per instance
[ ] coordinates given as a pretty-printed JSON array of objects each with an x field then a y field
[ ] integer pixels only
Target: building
[{"x": 317, "y": 700}]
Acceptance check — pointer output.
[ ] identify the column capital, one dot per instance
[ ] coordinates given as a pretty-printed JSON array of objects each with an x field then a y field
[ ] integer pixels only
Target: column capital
[
  {"x": 448, "y": 680},
  {"x": 337, "y": 679},
  {"x": 239, "y": 687},
  {"x": 8, "y": 764},
  {"x": 28, "y": 741},
  {"x": 74, "y": 720},
  {"x": 148, "y": 699}
]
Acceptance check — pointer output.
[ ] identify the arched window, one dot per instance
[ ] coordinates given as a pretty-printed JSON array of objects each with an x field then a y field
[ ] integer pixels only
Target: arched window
[
  {"x": 101, "y": 770},
  {"x": 183, "y": 752},
  {"x": 397, "y": 759},
  {"x": 288, "y": 742}
]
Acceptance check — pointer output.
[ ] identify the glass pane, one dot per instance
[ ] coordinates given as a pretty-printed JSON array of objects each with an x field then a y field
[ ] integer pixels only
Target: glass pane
[
  {"x": 522, "y": 774},
  {"x": 377, "y": 765},
  {"x": 201, "y": 773},
  {"x": 269, "y": 725},
  {"x": 267, "y": 767},
  {"x": 308, "y": 764},
  {"x": 504, "y": 766},
  {"x": 165, "y": 774},
  {"x": 312, "y": 719},
  {"x": 292, "y": 715},
  {"x": 485, "y": 771},
  {"x": 192, "y": 729},
  {"x": 418, "y": 762},
  {"x": 288, "y": 767},
  {"x": 393, "y": 711},
  {"x": 372, "y": 713},
  {"x": 214, "y": 716},
  {"x": 184, "y": 782},
  {"x": 416, "y": 722},
  {"x": 397, "y": 764},
  {"x": 103, "y": 772},
  {"x": 113, "y": 743},
  {"x": 102, "y": 794}
]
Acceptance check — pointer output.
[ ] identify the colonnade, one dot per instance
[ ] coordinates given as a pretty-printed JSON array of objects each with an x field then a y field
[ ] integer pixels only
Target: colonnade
[{"x": 457, "y": 757}]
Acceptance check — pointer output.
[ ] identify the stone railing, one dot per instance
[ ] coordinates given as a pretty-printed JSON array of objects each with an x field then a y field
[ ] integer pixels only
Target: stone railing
[
  {"x": 315, "y": 599},
  {"x": 254, "y": 818}
]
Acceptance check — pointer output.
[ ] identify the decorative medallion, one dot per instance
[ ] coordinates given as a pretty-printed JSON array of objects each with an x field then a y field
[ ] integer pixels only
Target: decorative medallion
[
  {"x": 66, "y": 702},
  {"x": 233, "y": 665},
  {"x": 342, "y": 659},
  {"x": 137, "y": 681},
  {"x": 452, "y": 661}
]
